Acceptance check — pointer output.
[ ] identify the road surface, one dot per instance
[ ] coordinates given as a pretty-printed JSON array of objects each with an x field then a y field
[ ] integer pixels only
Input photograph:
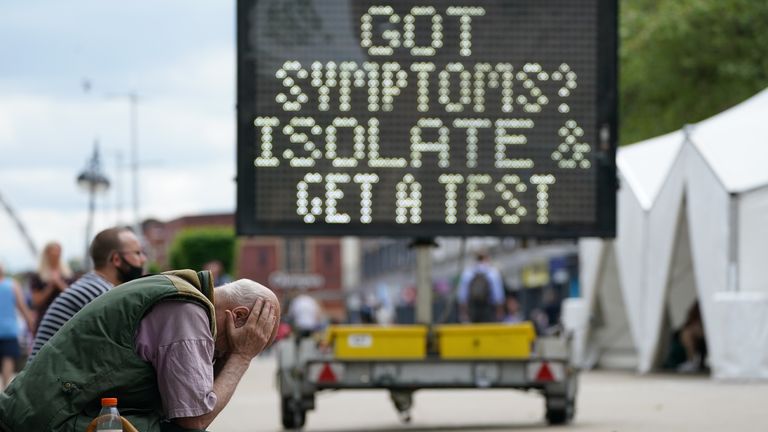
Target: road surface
[{"x": 607, "y": 401}]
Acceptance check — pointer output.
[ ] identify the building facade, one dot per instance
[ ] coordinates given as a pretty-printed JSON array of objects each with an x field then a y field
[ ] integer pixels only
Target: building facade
[{"x": 285, "y": 264}]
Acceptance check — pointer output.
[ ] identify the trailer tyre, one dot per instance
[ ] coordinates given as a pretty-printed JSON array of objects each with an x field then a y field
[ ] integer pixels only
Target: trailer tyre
[
  {"x": 560, "y": 410},
  {"x": 293, "y": 416}
]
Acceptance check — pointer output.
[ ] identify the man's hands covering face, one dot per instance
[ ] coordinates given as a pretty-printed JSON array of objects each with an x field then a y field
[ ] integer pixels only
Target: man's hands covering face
[{"x": 252, "y": 337}]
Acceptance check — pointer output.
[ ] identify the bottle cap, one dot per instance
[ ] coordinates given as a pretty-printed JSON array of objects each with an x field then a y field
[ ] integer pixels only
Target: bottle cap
[{"x": 108, "y": 402}]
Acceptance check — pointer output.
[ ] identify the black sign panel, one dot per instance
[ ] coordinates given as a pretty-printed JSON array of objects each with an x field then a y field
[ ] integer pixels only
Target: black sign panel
[{"x": 423, "y": 118}]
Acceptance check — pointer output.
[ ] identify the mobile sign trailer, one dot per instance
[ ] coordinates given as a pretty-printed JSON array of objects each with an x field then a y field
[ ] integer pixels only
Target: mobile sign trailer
[
  {"x": 424, "y": 118},
  {"x": 397, "y": 359}
]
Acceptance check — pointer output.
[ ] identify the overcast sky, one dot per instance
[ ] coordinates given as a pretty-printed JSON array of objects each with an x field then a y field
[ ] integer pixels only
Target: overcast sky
[{"x": 179, "y": 56}]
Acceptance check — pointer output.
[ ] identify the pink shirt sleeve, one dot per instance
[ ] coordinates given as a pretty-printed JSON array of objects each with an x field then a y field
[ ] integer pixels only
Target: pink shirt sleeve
[{"x": 175, "y": 337}]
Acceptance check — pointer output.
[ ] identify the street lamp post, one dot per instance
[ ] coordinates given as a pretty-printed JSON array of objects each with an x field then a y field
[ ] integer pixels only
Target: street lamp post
[
  {"x": 133, "y": 101},
  {"x": 93, "y": 181},
  {"x": 132, "y": 97}
]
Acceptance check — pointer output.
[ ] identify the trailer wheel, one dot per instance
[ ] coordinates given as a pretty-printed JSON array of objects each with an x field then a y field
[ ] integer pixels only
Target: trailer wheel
[
  {"x": 561, "y": 405},
  {"x": 557, "y": 414},
  {"x": 293, "y": 415}
]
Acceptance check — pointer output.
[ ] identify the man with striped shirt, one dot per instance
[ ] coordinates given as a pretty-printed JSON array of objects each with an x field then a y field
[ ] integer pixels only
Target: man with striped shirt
[{"x": 117, "y": 258}]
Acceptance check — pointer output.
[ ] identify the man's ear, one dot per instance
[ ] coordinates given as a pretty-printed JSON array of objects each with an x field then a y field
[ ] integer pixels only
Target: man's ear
[
  {"x": 114, "y": 258},
  {"x": 241, "y": 315}
]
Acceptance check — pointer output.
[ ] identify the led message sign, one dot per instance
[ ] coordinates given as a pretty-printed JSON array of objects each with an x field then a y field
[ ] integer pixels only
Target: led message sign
[{"x": 422, "y": 118}]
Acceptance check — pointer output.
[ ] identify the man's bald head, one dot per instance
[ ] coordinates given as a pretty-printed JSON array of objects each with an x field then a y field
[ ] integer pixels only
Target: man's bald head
[{"x": 244, "y": 293}]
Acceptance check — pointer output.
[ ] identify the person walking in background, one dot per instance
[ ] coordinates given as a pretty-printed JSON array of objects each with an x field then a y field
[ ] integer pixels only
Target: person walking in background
[
  {"x": 117, "y": 258},
  {"x": 551, "y": 304},
  {"x": 53, "y": 277},
  {"x": 11, "y": 301},
  {"x": 481, "y": 292},
  {"x": 304, "y": 314}
]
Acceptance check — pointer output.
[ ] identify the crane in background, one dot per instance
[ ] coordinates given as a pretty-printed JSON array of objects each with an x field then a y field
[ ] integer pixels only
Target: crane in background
[{"x": 19, "y": 226}]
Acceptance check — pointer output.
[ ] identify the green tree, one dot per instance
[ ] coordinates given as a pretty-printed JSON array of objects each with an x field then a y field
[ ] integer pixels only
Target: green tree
[
  {"x": 682, "y": 61},
  {"x": 193, "y": 247}
]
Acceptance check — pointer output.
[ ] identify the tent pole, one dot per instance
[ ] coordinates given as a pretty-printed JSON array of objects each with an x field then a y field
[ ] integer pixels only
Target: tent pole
[{"x": 733, "y": 243}]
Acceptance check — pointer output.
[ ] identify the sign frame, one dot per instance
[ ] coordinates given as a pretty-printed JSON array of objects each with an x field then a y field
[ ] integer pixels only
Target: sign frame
[{"x": 604, "y": 160}]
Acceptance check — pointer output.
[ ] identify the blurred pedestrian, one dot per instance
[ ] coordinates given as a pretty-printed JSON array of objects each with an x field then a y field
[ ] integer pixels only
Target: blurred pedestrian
[
  {"x": 385, "y": 307},
  {"x": 151, "y": 343},
  {"x": 117, "y": 258},
  {"x": 11, "y": 301},
  {"x": 688, "y": 348},
  {"x": 52, "y": 278},
  {"x": 305, "y": 315},
  {"x": 540, "y": 321},
  {"x": 513, "y": 314},
  {"x": 551, "y": 305},
  {"x": 220, "y": 276},
  {"x": 481, "y": 292},
  {"x": 693, "y": 340}
]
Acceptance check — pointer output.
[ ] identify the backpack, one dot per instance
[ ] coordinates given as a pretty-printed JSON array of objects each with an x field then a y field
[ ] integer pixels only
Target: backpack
[{"x": 479, "y": 289}]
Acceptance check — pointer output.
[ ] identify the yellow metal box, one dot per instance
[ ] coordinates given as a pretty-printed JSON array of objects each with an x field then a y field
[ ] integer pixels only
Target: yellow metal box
[
  {"x": 485, "y": 341},
  {"x": 377, "y": 342}
]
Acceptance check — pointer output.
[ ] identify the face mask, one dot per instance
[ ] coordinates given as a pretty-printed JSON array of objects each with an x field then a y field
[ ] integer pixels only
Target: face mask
[{"x": 128, "y": 272}]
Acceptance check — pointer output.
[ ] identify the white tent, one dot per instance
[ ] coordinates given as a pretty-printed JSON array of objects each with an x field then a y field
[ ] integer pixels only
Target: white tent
[
  {"x": 692, "y": 213},
  {"x": 599, "y": 319}
]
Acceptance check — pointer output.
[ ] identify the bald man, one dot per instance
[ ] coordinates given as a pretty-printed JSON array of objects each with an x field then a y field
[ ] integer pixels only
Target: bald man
[{"x": 153, "y": 345}]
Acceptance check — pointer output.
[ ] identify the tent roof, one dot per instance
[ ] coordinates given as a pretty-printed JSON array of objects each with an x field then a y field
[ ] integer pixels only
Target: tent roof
[
  {"x": 735, "y": 144},
  {"x": 645, "y": 165}
]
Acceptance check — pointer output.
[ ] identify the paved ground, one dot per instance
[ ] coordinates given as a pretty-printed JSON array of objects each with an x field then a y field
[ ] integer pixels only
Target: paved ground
[{"x": 607, "y": 401}]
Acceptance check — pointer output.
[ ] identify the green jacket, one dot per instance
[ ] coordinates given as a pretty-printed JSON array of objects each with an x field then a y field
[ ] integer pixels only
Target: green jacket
[{"x": 92, "y": 356}]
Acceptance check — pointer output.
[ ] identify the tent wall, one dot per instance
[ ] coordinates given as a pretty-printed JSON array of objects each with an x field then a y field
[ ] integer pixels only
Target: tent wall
[
  {"x": 682, "y": 284},
  {"x": 753, "y": 238},
  {"x": 591, "y": 266},
  {"x": 577, "y": 314},
  {"x": 648, "y": 206},
  {"x": 644, "y": 248},
  {"x": 740, "y": 314},
  {"x": 611, "y": 343},
  {"x": 631, "y": 243},
  {"x": 607, "y": 341},
  {"x": 708, "y": 211},
  {"x": 742, "y": 335},
  {"x": 664, "y": 220},
  {"x": 681, "y": 291}
]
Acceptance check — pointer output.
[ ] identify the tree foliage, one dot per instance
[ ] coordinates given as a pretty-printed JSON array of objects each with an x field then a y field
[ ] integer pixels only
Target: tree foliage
[
  {"x": 682, "y": 61},
  {"x": 193, "y": 247}
]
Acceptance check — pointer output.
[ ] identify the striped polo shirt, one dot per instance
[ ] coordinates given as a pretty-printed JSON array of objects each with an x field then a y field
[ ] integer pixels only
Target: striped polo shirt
[{"x": 67, "y": 304}]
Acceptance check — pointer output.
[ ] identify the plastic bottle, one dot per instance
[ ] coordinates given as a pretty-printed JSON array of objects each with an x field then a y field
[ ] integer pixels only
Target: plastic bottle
[{"x": 109, "y": 418}]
